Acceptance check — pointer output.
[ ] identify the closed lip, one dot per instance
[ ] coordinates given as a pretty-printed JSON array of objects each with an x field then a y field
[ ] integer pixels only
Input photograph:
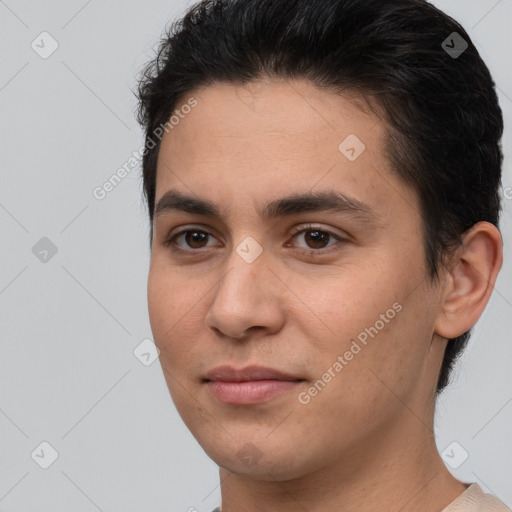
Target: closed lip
[{"x": 249, "y": 373}]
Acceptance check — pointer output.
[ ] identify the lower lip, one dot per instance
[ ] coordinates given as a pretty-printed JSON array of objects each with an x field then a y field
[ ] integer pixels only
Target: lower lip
[{"x": 250, "y": 392}]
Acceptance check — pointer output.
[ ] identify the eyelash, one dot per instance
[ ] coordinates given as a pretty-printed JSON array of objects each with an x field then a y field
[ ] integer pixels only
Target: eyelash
[{"x": 170, "y": 242}]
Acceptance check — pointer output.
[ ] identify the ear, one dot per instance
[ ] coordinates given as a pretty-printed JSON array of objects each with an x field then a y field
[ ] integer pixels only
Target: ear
[{"x": 470, "y": 277}]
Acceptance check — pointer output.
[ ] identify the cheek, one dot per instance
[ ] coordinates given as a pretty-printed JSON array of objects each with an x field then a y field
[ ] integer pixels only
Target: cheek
[
  {"x": 374, "y": 379},
  {"x": 374, "y": 323},
  {"x": 159, "y": 304},
  {"x": 176, "y": 313},
  {"x": 165, "y": 307},
  {"x": 393, "y": 358},
  {"x": 349, "y": 303},
  {"x": 176, "y": 356}
]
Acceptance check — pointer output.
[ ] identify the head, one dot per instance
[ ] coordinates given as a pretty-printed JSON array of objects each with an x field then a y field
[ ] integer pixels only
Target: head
[{"x": 274, "y": 100}]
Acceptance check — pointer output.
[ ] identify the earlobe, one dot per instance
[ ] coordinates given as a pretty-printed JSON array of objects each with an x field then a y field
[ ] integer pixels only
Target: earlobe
[{"x": 470, "y": 280}]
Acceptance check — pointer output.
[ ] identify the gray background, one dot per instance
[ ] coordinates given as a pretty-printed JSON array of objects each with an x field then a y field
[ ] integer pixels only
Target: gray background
[{"x": 69, "y": 325}]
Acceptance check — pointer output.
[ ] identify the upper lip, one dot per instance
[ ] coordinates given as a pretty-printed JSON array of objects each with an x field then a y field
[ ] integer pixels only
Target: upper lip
[{"x": 230, "y": 374}]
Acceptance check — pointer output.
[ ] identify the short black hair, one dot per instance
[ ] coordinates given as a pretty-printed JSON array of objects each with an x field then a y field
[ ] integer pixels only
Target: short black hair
[{"x": 438, "y": 100}]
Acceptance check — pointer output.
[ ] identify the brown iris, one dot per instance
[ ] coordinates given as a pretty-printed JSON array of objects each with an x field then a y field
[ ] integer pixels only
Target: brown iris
[
  {"x": 315, "y": 237},
  {"x": 195, "y": 237}
]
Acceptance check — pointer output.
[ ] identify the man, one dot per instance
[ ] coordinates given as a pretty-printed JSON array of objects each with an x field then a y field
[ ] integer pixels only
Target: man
[{"x": 322, "y": 181}]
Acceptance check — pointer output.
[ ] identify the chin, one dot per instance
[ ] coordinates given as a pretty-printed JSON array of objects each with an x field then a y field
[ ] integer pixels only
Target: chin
[{"x": 259, "y": 460}]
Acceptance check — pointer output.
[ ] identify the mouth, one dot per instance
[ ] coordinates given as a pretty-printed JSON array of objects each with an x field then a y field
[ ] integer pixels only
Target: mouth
[
  {"x": 250, "y": 385},
  {"x": 250, "y": 392}
]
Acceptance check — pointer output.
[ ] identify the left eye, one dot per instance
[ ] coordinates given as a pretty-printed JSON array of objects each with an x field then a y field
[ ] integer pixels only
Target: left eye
[{"x": 316, "y": 238}]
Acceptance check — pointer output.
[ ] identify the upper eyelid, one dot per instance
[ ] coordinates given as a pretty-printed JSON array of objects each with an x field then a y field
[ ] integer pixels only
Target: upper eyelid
[{"x": 310, "y": 226}]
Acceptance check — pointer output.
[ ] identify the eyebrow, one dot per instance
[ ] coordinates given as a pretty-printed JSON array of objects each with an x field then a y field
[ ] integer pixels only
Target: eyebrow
[{"x": 326, "y": 201}]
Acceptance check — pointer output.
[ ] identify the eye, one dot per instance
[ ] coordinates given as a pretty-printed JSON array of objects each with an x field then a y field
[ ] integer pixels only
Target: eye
[
  {"x": 193, "y": 238},
  {"x": 316, "y": 238}
]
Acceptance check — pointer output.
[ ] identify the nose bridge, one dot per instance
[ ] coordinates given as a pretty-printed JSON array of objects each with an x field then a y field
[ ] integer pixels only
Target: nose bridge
[
  {"x": 243, "y": 298},
  {"x": 246, "y": 265}
]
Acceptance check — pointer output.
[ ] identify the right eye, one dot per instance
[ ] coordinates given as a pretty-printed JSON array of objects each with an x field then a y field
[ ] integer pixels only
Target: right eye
[{"x": 193, "y": 238}]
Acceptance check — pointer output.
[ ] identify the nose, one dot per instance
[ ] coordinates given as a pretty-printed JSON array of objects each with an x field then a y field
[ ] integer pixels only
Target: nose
[{"x": 248, "y": 297}]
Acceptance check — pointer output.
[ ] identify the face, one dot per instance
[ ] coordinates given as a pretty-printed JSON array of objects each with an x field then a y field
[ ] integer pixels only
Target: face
[{"x": 333, "y": 293}]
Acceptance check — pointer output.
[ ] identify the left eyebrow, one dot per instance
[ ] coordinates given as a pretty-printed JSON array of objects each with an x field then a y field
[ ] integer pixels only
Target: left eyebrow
[{"x": 328, "y": 201}]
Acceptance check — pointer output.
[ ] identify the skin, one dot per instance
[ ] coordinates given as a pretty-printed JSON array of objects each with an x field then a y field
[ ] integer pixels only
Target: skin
[{"x": 365, "y": 441}]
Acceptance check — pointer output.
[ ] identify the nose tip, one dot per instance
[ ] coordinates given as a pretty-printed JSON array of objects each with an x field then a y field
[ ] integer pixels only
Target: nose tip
[{"x": 244, "y": 305}]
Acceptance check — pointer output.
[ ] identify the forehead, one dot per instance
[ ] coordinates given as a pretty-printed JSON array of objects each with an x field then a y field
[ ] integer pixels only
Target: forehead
[
  {"x": 261, "y": 140},
  {"x": 293, "y": 110}
]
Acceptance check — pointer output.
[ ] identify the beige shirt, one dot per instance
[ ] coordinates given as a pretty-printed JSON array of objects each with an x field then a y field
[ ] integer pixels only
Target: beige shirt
[{"x": 473, "y": 499}]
